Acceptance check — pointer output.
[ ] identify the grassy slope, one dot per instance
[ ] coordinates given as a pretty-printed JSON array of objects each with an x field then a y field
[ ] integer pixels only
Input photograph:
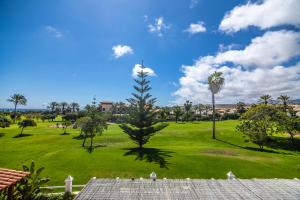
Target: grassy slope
[{"x": 187, "y": 149}]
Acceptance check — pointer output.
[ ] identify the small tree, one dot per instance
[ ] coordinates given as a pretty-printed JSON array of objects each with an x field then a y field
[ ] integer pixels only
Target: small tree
[
  {"x": 142, "y": 118},
  {"x": 17, "y": 99},
  {"x": 258, "y": 123},
  {"x": 289, "y": 124},
  {"x": 240, "y": 107},
  {"x": 4, "y": 122},
  {"x": 94, "y": 123},
  {"x": 25, "y": 123},
  {"x": 177, "y": 112}
]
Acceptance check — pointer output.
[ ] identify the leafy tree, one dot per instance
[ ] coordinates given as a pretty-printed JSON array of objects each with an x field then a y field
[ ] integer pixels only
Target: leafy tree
[
  {"x": 142, "y": 118},
  {"x": 187, "y": 107},
  {"x": 25, "y": 123},
  {"x": 289, "y": 124},
  {"x": 17, "y": 99},
  {"x": 265, "y": 99},
  {"x": 29, "y": 188},
  {"x": 240, "y": 107},
  {"x": 92, "y": 124},
  {"x": 259, "y": 123},
  {"x": 215, "y": 82},
  {"x": 177, "y": 112},
  {"x": 4, "y": 122}
]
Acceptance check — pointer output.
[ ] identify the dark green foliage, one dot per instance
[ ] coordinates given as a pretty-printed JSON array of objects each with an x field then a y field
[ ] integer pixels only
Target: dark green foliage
[
  {"x": 72, "y": 117},
  {"x": 259, "y": 123},
  {"x": 240, "y": 107},
  {"x": 29, "y": 187},
  {"x": 230, "y": 116},
  {"x": 94, "y": 123},
  {"x": 187, "y": 108},
  {"x": 4, "y": 122},
  {"x": 142, "y": 122},
  {"x": 25, "y": 123},
  {"x": 177, "y": 113},
  {"x": 48, "y": 117}
]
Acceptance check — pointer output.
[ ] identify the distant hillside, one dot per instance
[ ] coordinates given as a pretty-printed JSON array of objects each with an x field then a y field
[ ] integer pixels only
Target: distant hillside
[{"x": 295, "y": 101}]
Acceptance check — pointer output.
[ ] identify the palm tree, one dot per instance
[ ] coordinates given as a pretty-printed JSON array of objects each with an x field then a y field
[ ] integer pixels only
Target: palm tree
[
  {"x": 215, "y": 82},
  {"x": 17, "y": 99},
  {"x": 206, "y": 108},
  {"x": 63, "y": 105},
  {"x": 265, "y": 99},
  {"x": 53, "y": 105},
  {"x": 199, "y": 108},
  {"x": 177, "y": 112},
  {"x": 75, "y": 106},
  {"x": 187, "y": 107},
  {"x": 284, "y": 99}
]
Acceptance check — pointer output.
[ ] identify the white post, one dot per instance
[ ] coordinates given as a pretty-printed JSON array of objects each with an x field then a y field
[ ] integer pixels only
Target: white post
[
  {"x": 230, "y": 175},
  {"x": 68, "y": 184},
  {"x": 153, "y": 176}
]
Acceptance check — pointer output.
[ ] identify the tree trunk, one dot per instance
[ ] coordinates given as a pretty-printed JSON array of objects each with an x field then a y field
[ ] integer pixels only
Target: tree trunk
[
  {"x": 214, "y": 117},
  {"x": 91, "y": 144},
  {"x": 84, "y": 140},
  {"x": 176, "y": 119},
  {"x": 22, "y": 131},
  {"x": 15, "y": 112},
  {"x": 140, "y": 145}
]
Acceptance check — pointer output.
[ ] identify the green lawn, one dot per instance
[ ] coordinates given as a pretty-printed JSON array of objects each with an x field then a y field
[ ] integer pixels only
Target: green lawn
[{"x": 178, "y": 151}]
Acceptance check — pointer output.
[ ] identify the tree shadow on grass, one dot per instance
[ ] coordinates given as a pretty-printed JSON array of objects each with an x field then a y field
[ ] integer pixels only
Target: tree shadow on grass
[
  {"x": 78, "y": 137},
  {"x": 91, "y": 149},
  {"x": 23, "y": 135},
  {"x": 253, "y": 148},
  {"x": 2, "y": 134},
  {"x": 150, "y": 155},
  {"x": 284, "y": 143},
  {"x": 65, "y": 133}
]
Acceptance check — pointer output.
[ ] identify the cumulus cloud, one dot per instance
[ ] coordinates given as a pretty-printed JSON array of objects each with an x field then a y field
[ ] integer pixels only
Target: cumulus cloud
[
  {"x": 54, "y": 31},
  {"x": 272, "y": 48},
  {"x": 121, "y": 50},
  {"x": 240, "y": 85},
  {"x": 196, "y": 28},
  {"x": 255, "y": 70},
  {"x": 138, "y": 68},
  {"x": 158, "y": 27},
  {"x": 263, "y": 14}
]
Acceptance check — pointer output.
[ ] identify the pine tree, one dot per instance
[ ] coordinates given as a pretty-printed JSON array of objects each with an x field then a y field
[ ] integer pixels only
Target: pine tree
[{"x": 142, "y": 123}]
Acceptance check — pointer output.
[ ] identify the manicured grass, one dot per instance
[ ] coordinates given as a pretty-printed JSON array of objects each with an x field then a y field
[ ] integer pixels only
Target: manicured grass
[{"x": 178, "y": 151}]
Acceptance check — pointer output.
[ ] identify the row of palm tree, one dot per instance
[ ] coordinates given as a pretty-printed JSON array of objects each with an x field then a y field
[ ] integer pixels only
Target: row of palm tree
[{"x": 63, "y": 107}]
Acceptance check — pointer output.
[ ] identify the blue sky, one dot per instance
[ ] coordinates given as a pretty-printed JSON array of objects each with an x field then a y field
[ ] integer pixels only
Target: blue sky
[{"x": 63, "y": 50}]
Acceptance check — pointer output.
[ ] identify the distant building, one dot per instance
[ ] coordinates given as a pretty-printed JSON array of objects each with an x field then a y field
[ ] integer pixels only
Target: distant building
[{"x": 106, "y": 106}]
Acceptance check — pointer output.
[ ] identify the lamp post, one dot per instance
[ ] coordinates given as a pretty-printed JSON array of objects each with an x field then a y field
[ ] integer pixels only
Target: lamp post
[{"x": 153, "y": 176}]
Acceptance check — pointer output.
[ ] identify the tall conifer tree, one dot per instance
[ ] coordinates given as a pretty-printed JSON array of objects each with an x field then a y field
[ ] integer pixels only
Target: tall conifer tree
[{"x": 142, "y": 121}]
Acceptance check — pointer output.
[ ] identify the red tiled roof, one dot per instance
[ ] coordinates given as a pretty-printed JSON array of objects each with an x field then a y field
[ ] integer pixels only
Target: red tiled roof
[{"x": 9, "y": 177}]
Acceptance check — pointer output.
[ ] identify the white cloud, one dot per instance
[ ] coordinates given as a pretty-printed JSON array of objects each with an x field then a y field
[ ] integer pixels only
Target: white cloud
[
  {"x": 255, "y": 70},
  {"x": 268, "y": 13},
  {"x": 193, "y": 3},
  {"x": 158, "y": 27},
  {"x": 271, "y": 49},
  {"x": 121, "y": 50},
  {"x": 137, "y": 68},
  {"x": 196, "y": 28},
  {"x": 240, "y": 85},
  {"x": 54, "y": 31}
]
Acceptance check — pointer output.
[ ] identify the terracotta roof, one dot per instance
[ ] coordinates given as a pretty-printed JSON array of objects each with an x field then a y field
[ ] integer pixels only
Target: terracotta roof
[{"x": 9, "y": 177}]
